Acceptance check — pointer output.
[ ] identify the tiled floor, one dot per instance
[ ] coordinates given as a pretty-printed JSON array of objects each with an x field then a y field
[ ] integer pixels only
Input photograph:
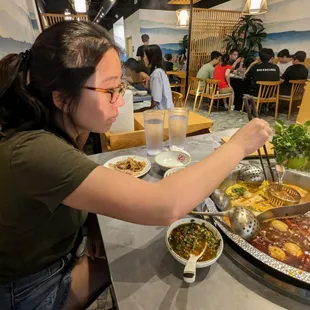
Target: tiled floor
[
  {"x": 235, "y": 119},
  {"x": 222, "y": 120}
]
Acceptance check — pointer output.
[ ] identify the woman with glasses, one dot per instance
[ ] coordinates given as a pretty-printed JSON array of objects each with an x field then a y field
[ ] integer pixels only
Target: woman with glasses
[
  {"x": 67, "y": 84},
  {"x": 159, "y": 83}
]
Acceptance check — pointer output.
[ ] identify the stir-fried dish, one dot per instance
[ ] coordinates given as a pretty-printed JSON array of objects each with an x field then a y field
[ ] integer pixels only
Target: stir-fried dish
[
  {"x": 129, "y": 166},
  {"x": 255, "y": 197},
  {"x": 190, "y": 239},
  {"x": 287, "y": 240}
]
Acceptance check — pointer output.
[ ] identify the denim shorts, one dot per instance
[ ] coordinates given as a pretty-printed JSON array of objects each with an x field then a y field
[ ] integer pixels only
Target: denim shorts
[{"x": 45, "y": 290}]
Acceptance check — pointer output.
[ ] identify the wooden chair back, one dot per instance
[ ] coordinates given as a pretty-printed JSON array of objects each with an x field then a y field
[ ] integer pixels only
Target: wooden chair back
[
  {"x": 304, "y": 111},
  {"x": 177, "y": 99},
  {"x": 298, "y": 89},
  {"x": 196, "y": 88},
  {"x": 297, "y": 93},
  {"x": 268, "y": 91},
  {"x": 211, "y": 88}
]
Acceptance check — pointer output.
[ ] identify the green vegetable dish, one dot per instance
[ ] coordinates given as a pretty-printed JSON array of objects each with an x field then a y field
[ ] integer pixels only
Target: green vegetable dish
[
  {"x": 292, "y": 145},
  {"x": 190, "y": 238}
]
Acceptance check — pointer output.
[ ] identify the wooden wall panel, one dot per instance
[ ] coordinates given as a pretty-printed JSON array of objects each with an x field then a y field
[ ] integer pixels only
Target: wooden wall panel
[
  {"x": 209, "y": 28},
  {"x": 51, "y": 19}
]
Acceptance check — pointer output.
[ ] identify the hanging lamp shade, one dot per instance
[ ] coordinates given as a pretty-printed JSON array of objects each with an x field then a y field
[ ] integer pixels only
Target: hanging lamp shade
[
  {"x": 255, "y": 7},
  {"x": 80, "y": 6},
  {"x": 183, "y": 18}
]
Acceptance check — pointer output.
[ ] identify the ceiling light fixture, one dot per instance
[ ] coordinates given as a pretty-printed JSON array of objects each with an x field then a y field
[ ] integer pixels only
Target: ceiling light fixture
[
  {"x": 67, "y": 14},
  {"x": 255, "y": 7},
  {"x": 80, "y": 6},
  {"x": 183, "y": 18}
]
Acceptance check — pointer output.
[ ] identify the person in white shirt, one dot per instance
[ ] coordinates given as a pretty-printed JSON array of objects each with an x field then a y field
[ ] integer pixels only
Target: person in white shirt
[
  {"x": 159, "y": 83},
  {"x": 285, "y": 60}
]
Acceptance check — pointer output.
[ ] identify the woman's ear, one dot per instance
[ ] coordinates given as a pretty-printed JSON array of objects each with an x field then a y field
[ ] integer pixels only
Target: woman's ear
[{"x": 58, "y": 103}]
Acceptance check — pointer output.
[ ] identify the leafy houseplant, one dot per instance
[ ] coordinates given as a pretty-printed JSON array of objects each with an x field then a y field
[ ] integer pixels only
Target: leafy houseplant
[
  {"x": 292, "y": 145},
  {"x": 247, "y": 36},
  {"x": 184, "y": 43}
]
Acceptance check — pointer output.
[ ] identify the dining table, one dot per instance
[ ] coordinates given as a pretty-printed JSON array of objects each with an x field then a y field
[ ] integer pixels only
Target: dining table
[{"x": 146, "y": 277}]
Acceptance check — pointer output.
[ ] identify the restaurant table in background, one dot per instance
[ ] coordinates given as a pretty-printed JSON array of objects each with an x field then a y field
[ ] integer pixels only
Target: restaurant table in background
[
  {"x": 137, "y": 98},
  {"x": 146, "y": 276},
  {"x": 182, "y": 76},
  {"x": 240, "y": 88},
  {"x": 197, "y": 124}
]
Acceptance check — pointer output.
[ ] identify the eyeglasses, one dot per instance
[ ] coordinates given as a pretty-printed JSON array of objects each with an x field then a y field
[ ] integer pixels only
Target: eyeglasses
[{"x": 114, "y": 92}]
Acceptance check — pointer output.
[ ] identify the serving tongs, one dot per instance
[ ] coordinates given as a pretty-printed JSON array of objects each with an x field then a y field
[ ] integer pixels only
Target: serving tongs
[
  {"x": 283, "y": 212},
  {"x": 252, "y": 112},
  {"x": 275, "y": 198}
]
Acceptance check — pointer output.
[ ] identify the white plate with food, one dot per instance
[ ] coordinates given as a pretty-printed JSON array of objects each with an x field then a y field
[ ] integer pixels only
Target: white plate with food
[{"x": 136, "y": 166}]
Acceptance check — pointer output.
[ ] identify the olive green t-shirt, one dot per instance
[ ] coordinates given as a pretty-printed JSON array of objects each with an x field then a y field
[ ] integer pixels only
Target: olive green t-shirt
[{"x": 38, "y": 171}]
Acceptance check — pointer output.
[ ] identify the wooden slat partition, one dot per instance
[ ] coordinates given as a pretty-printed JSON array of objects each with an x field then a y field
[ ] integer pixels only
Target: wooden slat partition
[
  {"x": 209, "y": 28},
  {"x": 49, "y": 19}
]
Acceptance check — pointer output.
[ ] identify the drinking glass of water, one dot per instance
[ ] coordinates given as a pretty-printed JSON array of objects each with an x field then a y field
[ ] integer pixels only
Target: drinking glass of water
[
  {"x": 154, "y": 130},
  {"x": 178, "y": 121}
]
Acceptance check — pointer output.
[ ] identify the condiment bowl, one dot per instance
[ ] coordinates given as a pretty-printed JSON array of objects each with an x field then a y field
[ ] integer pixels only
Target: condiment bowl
[
  {"x": 172, "y": 159},
  {"x": 188, "y": 220},
  {"x": 172, "y": 171}
]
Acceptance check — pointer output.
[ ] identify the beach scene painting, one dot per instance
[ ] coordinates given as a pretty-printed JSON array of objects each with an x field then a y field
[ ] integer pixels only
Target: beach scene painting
[
  {"x": 288, "y": 26},
  {"x": 287, "y": 23},
  {"x": 162, "y": 28},
  {"x": 19, "y": 26}
]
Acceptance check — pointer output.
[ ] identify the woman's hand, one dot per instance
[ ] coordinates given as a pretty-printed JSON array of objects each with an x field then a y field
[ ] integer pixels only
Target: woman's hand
[
  {"x": 252, "y": 136},
  {"x": 94, "y": 248}
]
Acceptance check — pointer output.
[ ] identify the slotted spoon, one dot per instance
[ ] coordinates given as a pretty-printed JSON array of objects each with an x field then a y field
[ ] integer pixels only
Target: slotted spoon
[
  {"x": 252, "y": 174},
  {"x": 243, "y": 221}
]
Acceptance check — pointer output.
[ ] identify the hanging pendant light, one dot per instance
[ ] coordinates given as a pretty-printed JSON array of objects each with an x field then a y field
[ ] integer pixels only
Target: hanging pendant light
[
  {"x": 183, "y": 18},
  {"x": 255, "y": 7},
  {"x": 80, "y": 6}
]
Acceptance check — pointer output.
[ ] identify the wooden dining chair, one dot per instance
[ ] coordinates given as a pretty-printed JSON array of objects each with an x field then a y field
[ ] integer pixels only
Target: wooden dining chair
[
  {"x": 211, "y": 92},
  {"x": 195, "y": 88},
  {"x": 269, "y": 92},
  {"x": 177, "y": 99},
  {"x": 297, "y": 92}
]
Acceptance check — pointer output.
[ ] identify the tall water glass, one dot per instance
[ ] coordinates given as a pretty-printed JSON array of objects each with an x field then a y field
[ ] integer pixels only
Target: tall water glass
[
  {"x": 178, "y": 122},
  {"x": 154, "y": 130}
]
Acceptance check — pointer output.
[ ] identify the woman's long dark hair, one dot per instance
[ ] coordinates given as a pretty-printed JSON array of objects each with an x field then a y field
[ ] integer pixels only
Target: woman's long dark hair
[
  {"x": 225, "y": 60},
  {"x": 62, "y": 58},
  {"x": 155, "y": 57}
]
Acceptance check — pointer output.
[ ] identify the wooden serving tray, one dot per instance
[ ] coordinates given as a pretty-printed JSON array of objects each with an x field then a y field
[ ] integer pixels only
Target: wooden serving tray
[{"x": 269, "y": 147}]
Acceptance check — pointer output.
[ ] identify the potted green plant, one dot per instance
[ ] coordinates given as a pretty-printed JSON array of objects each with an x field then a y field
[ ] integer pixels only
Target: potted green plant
[
  {"x": 247, "y": 36},
  {"x": 292, "y": 145}
]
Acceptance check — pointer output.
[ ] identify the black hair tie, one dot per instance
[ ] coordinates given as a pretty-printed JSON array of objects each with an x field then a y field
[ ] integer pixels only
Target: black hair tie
[{"x": 25, "y": 55}]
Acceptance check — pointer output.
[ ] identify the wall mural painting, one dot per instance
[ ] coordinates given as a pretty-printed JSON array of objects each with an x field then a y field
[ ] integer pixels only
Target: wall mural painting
[{"x": 18, "y": 26}]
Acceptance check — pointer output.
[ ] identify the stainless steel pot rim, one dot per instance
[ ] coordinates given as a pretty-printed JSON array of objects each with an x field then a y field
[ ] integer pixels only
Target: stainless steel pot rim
[{"x": 264, "y": 258}]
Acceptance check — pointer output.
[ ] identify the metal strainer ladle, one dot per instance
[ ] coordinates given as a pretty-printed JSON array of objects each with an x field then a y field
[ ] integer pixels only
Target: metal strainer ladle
[
  {"x": 243, "y": 221},
  {"x": 252, "y": 174}
]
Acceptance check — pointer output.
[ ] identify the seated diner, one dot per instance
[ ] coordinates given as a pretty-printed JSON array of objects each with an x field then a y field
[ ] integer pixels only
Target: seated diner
[
  {"x": 49, "y": 186},
  {"x": 297, "y": 71},
  {"x": 222, "y": 73},
  {"x": 262, "y": 69},
  {"x": 158, "y": 85},
  {"x": 136, "y": 74}
]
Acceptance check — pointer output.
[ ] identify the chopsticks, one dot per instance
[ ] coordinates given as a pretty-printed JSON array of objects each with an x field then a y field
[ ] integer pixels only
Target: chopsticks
[{"x": 252, "y": 112}]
